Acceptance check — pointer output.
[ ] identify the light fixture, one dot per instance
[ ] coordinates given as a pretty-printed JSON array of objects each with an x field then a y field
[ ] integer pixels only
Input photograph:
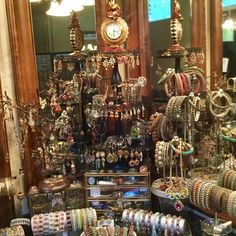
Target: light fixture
[
  {"x": 58, "y": 9},
  {"x": 228, "y": 23},
  {"x": 88, "y": 2},
  {"x": 228, "y": 28},
  {"x": 74, "y": 5},
  {"x": 64, "y": 7}
]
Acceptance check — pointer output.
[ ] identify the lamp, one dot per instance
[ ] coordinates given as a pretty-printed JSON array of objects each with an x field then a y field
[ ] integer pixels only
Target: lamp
[
  {"x": 73, "y": 5},
  {"x": 58, "y": 9},
  {"x": 228, "y": 29},
  {"x": 64, "y": 7},
  {"x": 88, "y": 2}
]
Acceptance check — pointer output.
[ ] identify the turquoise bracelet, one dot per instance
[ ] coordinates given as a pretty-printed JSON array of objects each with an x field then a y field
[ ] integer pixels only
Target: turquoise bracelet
[
  {"x": 233, "y": 140},
  {"x": 185, "y": 153}
]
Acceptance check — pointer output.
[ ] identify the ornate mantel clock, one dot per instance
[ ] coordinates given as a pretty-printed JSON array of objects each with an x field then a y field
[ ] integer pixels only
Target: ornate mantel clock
[{"x": 114, "y": 29}]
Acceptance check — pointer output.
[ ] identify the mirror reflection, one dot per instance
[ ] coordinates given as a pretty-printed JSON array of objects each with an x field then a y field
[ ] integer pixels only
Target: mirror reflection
[
  {"x": 228, "y": 37},
  {"x": 159, "y": 24},
  {"x": 52, "y": 35}
]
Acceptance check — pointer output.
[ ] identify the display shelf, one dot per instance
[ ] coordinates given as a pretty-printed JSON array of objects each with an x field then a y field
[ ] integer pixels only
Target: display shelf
[
  {"x": 120, "y": 189},
  {"x": 118, "y": 199}
]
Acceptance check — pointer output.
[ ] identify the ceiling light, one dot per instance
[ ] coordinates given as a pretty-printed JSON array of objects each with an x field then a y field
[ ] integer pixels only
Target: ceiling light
[
  {"x": 88, "y": 2},
  {"x": 228, "y": 24},
  {"x": 58, "y": 9},
  {"x": 74, "y": 5}
]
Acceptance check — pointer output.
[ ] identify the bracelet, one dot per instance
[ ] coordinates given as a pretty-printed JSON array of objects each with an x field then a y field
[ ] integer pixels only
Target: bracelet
[
  {"x": 20, "y": 221},
  {"x": 185, "y": 83},
  {"x": 225, "y": 197},
  {"x": 179, "y": 84},
  {"x": 233, "y": 140},
  {"x": 230, "y": 203},
  {"x": 137, "y": 219},
  {"x": 74, "y": 220},
  {"x": 68, "y": 220},
  {"x": 177, "y": 140}
]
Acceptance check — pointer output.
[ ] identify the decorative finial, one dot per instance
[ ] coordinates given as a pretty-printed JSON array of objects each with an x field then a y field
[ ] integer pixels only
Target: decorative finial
[
  {"x": 176, "y": 11},
  {"x": 114, "y": 10}
]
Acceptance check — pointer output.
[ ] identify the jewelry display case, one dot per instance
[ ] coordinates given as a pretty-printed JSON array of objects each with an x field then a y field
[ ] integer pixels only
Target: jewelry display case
[
  {"x": 113, "y": 192},
  {"x": 70, "y": 198}
]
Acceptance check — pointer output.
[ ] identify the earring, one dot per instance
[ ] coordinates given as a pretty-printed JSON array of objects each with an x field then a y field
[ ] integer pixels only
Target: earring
[
  {"x": 200, "y": 57},
  {"x": 193, "y": 58},
  {"x": 105, "y": 63},
  {"x": 112, "y": 61},
  {"x": 137, "y": 61},
  {"x": 132, "y": 62}
]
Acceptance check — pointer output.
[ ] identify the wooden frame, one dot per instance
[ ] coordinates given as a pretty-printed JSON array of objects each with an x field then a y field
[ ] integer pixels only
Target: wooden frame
[
  {"x": 23, "y": 54},
  {"x": 216, "y": 42},
  {"x": 25, "y": 73}
]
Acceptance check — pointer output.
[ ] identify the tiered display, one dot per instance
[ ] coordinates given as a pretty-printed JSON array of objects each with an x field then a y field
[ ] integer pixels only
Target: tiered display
[{"x": 117, "y": 191}]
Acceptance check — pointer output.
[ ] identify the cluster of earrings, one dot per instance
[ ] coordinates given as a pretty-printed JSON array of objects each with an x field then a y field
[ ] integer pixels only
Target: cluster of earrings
[{"x": 99, "y": 158}]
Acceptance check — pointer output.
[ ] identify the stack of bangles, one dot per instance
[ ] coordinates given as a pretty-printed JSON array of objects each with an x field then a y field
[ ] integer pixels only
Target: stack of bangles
[
  {"x": 16, "y": 230},
  {"x": 227, "y": 179},
  {"x": 71, "y": 220},
  {"x": 179, "y": 84},
  {"x": 204, "y": 194},
  {"x": 108, "y": 231},
  {"x": 154, "y": 223},
  {"x": 161, "y": 127},
  {"x": 161, "y": 154},
  {"x": 197, "y": 79},
  {"x": 220, "y": 103},
  {"x": 191, "y": 80},
  {"x": 176, "y": 108}
]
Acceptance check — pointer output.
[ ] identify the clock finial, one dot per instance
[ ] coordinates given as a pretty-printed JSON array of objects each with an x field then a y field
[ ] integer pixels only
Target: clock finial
[{"x": 113, "y": 10}]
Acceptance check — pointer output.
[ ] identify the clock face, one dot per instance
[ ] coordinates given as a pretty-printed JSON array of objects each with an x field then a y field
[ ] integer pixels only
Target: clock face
[{"x": 113, "y": 30}]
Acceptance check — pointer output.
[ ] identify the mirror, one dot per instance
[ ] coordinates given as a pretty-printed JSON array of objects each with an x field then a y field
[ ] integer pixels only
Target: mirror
[
  {"x": 52, "y": 36},
  {"x": 229, "y": 38},
  {"x": 160, "y": 37}
]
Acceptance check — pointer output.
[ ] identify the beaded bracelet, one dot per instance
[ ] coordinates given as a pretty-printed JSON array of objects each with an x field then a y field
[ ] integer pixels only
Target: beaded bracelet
[
  {"x": 69, "y": 220},
  {"x": 137, "y": 219},
  {"x": 158, "y": 223},
  {"x": 224, "y": 200},
  {"x": 230, "y": 209},
  {"x": 74, "y": 220},
  {"x": 233, "y": 182},
  {"x": 177, "y": 225},
  {"x": 221, "y": 178},
  {"x": 20, "y": 221}
]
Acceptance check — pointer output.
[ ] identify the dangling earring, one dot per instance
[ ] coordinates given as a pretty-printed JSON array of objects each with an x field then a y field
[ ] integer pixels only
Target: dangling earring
[{"x": 137, "y": 60}]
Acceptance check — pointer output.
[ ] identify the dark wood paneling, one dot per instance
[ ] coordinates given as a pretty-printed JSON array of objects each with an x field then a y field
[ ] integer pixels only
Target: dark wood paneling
[
  {"x": 24, "y": 68},
  {"x": 216, "y": 41},
  {"x": 7, "y": 211},
  {"x": 198, "y": 39}
]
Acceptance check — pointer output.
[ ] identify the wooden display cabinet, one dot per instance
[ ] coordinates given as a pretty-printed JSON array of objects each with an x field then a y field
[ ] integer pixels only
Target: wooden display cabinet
[
  {"x": 70, "y": 198},
  {"x": 113, "y": 192}
]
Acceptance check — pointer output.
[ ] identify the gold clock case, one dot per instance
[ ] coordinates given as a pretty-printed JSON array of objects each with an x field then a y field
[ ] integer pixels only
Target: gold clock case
[{"x": 124, "y": 31}]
